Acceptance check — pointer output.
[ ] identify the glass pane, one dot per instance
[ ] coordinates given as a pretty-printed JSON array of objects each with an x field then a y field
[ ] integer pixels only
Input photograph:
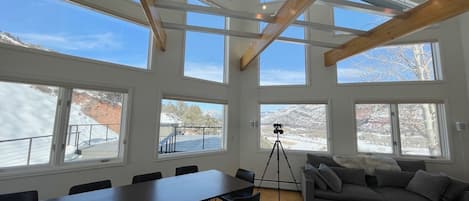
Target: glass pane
[
  {"x": 205, "y": 20},
  {"x": 187, "y": 126},
  {"x": 283, "y": 64},
  {"x": 94, "y": 125},
  {"x": 205, "y": 56},
  {"x": 60, "y": 26},
  {"x": 411, "y": 62},
  {"x": 419, "y": 128},
  {"x": 374, "y": 131},
  {"x": 27, "y": 113},
  {"x": 357, "y": 20},
  {"x": 304, "y": 125}
]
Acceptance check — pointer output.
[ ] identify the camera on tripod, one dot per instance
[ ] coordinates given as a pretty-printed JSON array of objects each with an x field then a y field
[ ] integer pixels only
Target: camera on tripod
[{"x": 278, "y": 128}]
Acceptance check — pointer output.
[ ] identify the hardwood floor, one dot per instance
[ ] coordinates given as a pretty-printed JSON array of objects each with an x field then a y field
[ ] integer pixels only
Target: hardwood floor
[{"x": 271, "y": 195}]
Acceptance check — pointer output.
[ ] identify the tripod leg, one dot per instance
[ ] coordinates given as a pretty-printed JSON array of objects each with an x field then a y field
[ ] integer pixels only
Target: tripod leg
[
  {"x": 278, "y": 169},
  {"x": 267, "y": 165},
  {"x": 289, "y": 166}
]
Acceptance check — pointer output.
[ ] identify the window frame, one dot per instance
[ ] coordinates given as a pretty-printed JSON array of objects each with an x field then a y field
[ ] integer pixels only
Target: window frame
[
  {"x": 307, "y": 61},
  {"x": 329, "y": 126},
  {"x": 191, "y": 154},
  {"x": 439, "y": 71},
  {"x": 443, "y": 132},
  {"x": 57, "y": 152},
  {"x": 226, "y": 54}
]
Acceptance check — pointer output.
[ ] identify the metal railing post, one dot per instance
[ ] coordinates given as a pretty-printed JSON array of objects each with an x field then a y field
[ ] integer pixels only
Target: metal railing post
[
  {"x": 203, "y": 138},
  {"x": 29, "y": 150},
  {"x": 107, "y": 131},
  {"x": 91, "y": 130}
]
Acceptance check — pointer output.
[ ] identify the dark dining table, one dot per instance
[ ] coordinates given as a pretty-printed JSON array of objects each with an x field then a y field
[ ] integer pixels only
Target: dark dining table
[{"x": 189, "y": 187}]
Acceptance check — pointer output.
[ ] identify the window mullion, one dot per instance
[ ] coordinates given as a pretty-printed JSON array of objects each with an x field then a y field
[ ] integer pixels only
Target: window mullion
[
  {"x": 395, "y": 130},
  {"x": 62, "y": 120}
]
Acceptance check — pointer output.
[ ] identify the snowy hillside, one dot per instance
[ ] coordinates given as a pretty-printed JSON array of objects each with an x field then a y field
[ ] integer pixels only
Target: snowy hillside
[{"x": 10, "y": 39}]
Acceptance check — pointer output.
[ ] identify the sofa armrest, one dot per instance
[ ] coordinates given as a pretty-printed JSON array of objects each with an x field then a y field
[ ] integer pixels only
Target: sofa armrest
[
  {"x": 307, "y": 187},
  {"x": 464, "y": 196}
]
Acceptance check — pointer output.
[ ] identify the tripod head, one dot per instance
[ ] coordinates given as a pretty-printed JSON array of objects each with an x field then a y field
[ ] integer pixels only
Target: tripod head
[{"x": 278, "y": 128}]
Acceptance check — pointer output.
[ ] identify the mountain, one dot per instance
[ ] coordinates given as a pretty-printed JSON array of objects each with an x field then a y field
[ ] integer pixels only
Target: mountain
[
  {"x": 297, "y": 116},
  {"x": 8, "y": 38}
]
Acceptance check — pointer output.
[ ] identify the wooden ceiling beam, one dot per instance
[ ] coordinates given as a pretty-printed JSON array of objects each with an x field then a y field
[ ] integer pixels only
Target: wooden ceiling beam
[
  {"x": 287, "y": 14},
  {"x": 154, "y": 19},
  {"x": 431, "y": 12}
]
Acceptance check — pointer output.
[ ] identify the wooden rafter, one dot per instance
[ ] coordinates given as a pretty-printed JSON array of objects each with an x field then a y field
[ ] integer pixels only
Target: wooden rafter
[
  {"x": 433, "y": 11},
  {"x": 154, "y": 19},
  {"x": 288, "y": 13}
]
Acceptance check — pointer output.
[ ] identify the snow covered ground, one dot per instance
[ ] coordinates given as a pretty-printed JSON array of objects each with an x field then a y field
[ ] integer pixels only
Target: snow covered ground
[
  {"x": 188, "y": 143},
  {"x": 27, "y": 112}
]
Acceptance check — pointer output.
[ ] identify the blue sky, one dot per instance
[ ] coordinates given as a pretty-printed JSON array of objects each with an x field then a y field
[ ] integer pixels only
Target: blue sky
[{"x": 70, "y": 29}]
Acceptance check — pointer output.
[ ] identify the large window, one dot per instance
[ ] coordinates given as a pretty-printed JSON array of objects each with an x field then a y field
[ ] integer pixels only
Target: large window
[
  {"x": 205, "y": 52},
  {"x": 305, "y": 126},
  {"x": 59, "y": 26},
  {"x": 395, "y": 63},
  {"x": 191, "y": 126},
  {"x": 410, "y": 129},
  {"x": 33, "y": 123},
  {"x": 284, "y": 63}
]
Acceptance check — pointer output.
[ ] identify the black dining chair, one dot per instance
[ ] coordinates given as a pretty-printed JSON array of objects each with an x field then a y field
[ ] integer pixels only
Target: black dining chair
[
  {"x": 90, "y": 187},
  {"x": 146, "y": 177},
  {"x": 20, "y": 196},
  {"x": 255, "y": 197},
  {"x": 186, "y": 169},
  {"x": 245, "y": 175}
]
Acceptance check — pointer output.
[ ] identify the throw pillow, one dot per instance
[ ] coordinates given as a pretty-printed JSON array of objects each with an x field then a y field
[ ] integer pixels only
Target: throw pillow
[
  {"x": 454, "y": 190},
  {"x": 428, "y": 185},
  {"x": 316, "y": 160},
  {"x": 351, "y": 175},
  {"x": 386, "y": 178},
  {"x": 314, "y": 174},
  {"x": 330, "y": 178}
]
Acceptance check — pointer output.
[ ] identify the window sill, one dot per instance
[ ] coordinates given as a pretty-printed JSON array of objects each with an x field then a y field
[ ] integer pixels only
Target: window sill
[
  {"x": 361, "y": 84},
  {"x": 183, "y": 155},
  {"x": 42, "y": 170}
]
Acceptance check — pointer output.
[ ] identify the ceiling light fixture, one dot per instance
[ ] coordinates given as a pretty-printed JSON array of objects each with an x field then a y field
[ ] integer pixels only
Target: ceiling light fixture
[{"x": 264, "y": 6}]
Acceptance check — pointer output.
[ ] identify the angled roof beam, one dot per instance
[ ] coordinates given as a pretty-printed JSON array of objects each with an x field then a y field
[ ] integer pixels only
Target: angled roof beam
[
  {"x": 433, "y": 11},
  {"x": 154, "y": 19},
  {"x": 250, "y": 16},
  {"x": 289, "y": 11},
  {"x": 213, "y": 3}
]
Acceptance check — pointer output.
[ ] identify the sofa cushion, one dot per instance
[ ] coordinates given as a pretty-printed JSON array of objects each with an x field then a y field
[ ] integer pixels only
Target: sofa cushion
[
  {"x": 454, "y": 190},
  {"x": 386, "y": 178},
  {"x": 330, "y": 178},
  {"x": 316, "y": 160},
  {"x": 411, "y": 165},
  {"x": 313, "y": 173},
  {"x": 399, "y": 194},
  {"x": 428, "y": 185},
  {"x": 350, "y": 192},
  {"x": 350, "y": 175}
]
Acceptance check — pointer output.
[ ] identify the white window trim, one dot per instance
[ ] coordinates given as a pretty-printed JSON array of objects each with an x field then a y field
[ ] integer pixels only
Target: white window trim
[
  {"x": 191, "y": 154},
  {"x": 438, "y": 70},
  {"x": 328, "y": 122},
  {"x": 226, "y": 52},
  {"x": 396, "y": 147},
  {"x": 56, "y": 164}
]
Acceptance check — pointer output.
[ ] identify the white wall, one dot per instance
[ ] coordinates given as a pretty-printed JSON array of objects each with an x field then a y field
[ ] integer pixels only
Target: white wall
[
  {"x": 148, "y": 87},
  {"x": 323, "y": 86},
  {"x": 464, "y": 22}
]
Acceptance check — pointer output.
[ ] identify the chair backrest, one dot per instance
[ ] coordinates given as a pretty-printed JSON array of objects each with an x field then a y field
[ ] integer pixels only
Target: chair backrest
[
  {"x": 245, "y": 175},
  {"x": 255, "y": 197},
  {"x": 90, "y": 187},
  {"x": 21, "y": 196},
  {"x": 186, "y": 169},
  {"x": 146, "y": 177}
]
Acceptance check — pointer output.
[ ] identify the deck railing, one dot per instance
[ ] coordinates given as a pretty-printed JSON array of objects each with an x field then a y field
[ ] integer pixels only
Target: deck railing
[
  {"x": 168, "y": 144},
  {"x": 73, "y": 130}
]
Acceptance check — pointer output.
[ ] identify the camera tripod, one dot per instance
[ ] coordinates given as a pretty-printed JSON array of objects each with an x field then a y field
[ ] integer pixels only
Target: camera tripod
[{"x": 277, "y": 146}]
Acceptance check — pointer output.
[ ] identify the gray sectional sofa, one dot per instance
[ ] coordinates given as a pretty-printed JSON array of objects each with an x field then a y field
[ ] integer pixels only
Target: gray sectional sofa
[{"x": 382, "y": 187}]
